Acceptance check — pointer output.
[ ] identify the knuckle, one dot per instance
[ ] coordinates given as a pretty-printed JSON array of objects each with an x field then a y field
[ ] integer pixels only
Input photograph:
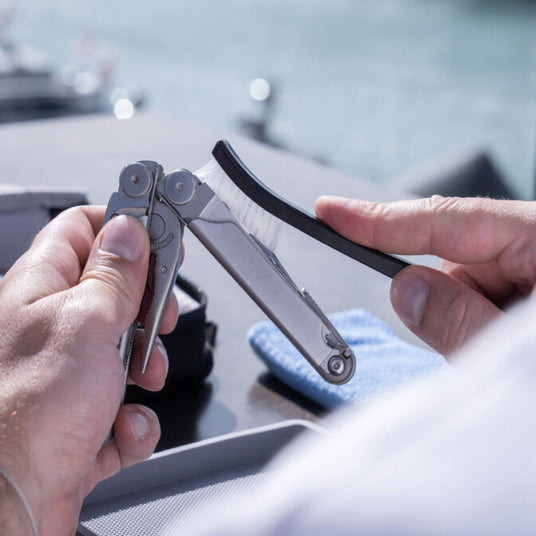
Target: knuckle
[
  {"x": 72, "y": 212},
  {"x": 65, "y": 218},
  {"x": 438, "y": 203},
  {"x": 377, "y": 212},
  {"x": 377, "y": 209},
  {"x": 438, "y": 207},
  {"x": 434, "y": 202}
]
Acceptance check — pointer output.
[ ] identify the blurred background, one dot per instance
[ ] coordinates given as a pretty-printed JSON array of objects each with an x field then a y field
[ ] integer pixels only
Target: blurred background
[{"x": 379, "y": 89}]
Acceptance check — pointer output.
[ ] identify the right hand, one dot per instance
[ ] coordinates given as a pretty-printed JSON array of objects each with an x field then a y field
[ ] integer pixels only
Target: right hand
[{"x": 489, "y": 249}]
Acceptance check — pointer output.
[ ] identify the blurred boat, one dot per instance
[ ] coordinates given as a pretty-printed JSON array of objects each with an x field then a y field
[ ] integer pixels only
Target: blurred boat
[{"x": 31, "y": 88}]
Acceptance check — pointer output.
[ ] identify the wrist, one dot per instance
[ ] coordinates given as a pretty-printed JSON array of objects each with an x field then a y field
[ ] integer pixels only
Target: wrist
[
  {"x": 20, "y": 491},
  {"x": 15, "y": 514}
]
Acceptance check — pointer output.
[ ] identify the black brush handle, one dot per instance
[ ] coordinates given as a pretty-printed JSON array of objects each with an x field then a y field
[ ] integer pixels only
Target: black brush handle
[{"x": 267, "y": 199}]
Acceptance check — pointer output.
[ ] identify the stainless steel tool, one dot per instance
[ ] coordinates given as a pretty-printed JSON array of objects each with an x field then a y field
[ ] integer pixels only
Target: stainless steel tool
[{"x": 166, "y": 203}]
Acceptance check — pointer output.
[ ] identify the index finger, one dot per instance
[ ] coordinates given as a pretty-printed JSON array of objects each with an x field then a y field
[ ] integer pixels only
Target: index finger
[
  {"x": 58, "y": 254},
  {"x": 463, "y": 230}
]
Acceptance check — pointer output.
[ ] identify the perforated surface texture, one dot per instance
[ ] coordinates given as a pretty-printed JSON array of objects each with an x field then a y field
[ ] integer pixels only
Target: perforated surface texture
[{"x": 151, "y": 512}]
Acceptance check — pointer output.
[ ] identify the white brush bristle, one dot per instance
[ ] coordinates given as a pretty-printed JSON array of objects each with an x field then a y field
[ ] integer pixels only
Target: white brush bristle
[{"x": 261, "y": 224}]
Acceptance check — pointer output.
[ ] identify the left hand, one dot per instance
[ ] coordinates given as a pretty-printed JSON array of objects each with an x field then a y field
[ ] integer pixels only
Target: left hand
[{"x": 63, "y": 308}]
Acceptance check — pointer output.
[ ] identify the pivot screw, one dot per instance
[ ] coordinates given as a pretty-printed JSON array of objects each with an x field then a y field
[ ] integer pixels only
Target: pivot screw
[
  {"x": 180, "y": 186},
  {"x": 136, "y": 179},
  {"x": 336, "y": 365}
]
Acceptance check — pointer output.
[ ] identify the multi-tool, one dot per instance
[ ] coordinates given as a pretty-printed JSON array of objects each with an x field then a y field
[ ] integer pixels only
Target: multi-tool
[{"x": 167, "y": 203}]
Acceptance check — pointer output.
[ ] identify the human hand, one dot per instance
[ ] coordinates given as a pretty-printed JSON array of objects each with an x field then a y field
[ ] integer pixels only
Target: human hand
[
  {"x": 63, "y": 309},
  {"x": 488, "y": 247}
]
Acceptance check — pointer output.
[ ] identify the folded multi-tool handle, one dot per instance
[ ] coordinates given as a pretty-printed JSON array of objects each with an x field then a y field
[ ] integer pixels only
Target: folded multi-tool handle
[
  {"x": 258, "y": 271},
  {"x": 138, "y": 184}
]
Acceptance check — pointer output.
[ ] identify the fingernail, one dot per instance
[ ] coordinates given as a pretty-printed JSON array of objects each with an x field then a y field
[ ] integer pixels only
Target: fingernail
[
  {"x": 332, "y": 199},
  {"x": 139, "y": 424},
  {"x": 408, "y": 296},
  {"x": 325, "y": 204},
  {"x": 123, "y": 238}
]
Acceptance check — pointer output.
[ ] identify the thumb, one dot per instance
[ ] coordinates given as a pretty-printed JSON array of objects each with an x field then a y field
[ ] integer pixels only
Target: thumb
[
  {"x": 439, "y": 309},
  {"x": 116, "y": 271}
]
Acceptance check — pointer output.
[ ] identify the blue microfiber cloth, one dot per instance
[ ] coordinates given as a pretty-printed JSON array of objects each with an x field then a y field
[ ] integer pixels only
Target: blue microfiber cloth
[{"x": 383, "y": 360}]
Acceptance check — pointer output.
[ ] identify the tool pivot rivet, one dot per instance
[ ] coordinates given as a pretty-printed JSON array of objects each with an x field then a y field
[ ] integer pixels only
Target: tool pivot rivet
[
  {"x": 336, "y": 365},
  {"x": 136, "y": 179},
  {"x": 180, "y": 186}
]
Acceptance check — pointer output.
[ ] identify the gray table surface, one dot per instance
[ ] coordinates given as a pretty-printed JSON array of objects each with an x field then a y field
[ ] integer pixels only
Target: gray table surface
[{"x": 88, "y": 153}]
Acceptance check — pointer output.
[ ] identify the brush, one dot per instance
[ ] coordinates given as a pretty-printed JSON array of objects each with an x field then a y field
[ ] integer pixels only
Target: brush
[{"x": 262, "y": 211}]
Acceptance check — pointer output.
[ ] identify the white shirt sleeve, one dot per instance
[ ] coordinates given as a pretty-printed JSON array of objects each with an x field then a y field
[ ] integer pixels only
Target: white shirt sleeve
[{"x": 454, "y": 454}]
